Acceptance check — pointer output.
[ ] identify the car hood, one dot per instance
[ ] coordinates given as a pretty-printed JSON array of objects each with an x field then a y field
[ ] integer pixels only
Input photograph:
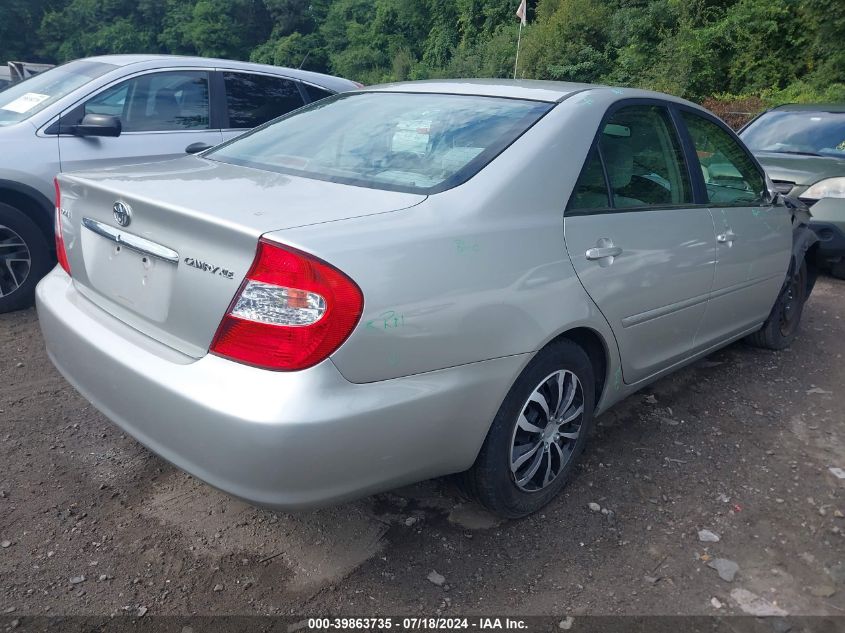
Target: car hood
[
  {"x": 253, "y": 199},
  {"x": 800, "y": 169}
]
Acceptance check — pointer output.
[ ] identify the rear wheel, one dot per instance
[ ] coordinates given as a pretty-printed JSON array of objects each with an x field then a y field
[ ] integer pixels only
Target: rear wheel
[
  {"x": 781, "y": 328},
  {"x": 537, "y": 435},
  {"x": 838, "y": 269},
  {"x": 24, "y": 259}
]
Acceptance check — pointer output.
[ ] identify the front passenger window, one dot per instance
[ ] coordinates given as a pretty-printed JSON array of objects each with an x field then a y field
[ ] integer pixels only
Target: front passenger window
[
  {"x": 110, "y": 101},
  {"x": 155, "y": 102},
  {"x": 730, "y": 176}
]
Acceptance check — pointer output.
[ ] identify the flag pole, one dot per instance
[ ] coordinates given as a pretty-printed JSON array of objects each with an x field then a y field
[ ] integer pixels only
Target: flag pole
[{"x": 518, "y": 41}]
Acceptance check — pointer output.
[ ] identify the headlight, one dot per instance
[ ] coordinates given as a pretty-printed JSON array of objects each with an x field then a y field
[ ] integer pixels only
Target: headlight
[{"x": 827, "y": 188}]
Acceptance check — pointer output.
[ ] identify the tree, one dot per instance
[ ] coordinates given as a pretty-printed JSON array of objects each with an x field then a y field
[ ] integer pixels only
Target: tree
[
  {"x": 19, "y": 21},
  {"x": 570, "y": 44},
  {"x": 692, "y": 48}
]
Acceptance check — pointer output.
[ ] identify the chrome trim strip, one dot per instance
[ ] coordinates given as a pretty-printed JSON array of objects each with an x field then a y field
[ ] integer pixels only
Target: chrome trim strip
[
  {"x": 130, "y": 241},
  {"x": 742, "y": 285},
  {"x": 656, "y": 313}
]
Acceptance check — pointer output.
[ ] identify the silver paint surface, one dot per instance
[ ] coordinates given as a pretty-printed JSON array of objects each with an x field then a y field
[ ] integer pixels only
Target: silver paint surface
[{"x": 461, "y": 289}]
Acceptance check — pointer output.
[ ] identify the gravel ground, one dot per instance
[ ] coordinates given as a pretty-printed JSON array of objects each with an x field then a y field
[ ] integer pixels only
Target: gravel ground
[{"x": 740, "y": 444}]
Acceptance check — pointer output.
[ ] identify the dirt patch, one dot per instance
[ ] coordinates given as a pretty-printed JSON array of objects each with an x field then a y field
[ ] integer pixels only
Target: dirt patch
[{"x": 741, "y": 444}]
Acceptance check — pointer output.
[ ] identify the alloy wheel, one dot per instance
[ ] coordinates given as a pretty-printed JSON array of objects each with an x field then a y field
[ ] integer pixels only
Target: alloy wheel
[
  {"x": 15, "y": 261},
  {"x": 547, "y": 430}
]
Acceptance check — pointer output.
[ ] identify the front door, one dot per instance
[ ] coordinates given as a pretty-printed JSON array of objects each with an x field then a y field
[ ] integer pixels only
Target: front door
[
  {"x": 753, "y": 237},
  {"x": 642, "y": 250},
  {"x": 161, "y": 113}
]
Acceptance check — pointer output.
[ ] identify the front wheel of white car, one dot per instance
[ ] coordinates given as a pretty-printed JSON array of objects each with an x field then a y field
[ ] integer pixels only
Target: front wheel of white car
[
  {"x": 24, "y": 259},
  {"x": 537, "y": 435}
]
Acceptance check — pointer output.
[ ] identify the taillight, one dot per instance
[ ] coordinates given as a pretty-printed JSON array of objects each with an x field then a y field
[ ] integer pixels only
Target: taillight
[
  {"x": 291, "y": 312},
  {"x": 61, "y": 253}
]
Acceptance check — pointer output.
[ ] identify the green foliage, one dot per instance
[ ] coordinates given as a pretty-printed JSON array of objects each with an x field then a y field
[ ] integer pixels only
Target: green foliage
[
  {"x": 19, "y": 22},
  {"x": 570, "y": 44},
  {"x": 772, "y": 50}
]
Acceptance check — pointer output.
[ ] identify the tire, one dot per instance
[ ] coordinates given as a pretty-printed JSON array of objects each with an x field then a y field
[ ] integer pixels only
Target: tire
[
  {"x": 491, "y": 480},
  {"x": 24, "y": 259},
  {"x": 782, "y": 326},
  {"x": 838, "y": 269}
]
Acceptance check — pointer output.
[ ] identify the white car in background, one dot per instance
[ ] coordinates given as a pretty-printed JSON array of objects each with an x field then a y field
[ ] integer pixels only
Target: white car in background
[{"x": 116, "y": 110}]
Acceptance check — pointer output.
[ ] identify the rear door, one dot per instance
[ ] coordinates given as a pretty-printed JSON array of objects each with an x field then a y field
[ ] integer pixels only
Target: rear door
[
  {"x": 253, "y": 99},
  {"x": 161, "y": 113},
  {"x": 754, "y": 238},
  {"x": 642, "y": 249}
]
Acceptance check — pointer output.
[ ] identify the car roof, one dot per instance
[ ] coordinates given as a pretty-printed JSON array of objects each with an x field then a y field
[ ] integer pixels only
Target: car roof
[
  {"x": 519, "y": 89},
  {"x": 337, "y": 84},
  {"x": 538, "y": 90},
  {"x": 811, "y": 107}
]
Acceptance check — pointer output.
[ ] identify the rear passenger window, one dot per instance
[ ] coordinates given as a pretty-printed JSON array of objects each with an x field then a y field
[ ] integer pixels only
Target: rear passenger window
[
  {"x": 643, "y": 158},
  {"x": 591, "y": 188},
  {"x": 256, "y": 99},
  {"x": 730, "y": 176}
]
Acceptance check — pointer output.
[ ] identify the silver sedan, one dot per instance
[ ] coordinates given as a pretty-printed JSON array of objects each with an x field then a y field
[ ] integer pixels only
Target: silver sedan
[{"x": 414, "y": 280}]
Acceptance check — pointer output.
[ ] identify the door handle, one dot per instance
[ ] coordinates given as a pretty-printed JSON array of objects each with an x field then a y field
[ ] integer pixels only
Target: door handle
[
  {"x": 605, "y": 252},
  {"x": 602, "y": 252},
  {"x": 726, "y": 238}
]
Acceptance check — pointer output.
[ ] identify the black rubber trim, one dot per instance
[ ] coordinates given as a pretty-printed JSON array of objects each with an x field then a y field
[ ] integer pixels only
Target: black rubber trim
[{"x": 219, "y": 116}]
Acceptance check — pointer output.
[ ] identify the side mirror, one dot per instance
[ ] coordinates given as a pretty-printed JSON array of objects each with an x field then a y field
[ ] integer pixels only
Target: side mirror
[
  {"x": 196, "y": 148},
  {"x": 770, "y": 196},
  {"x": 98, "y": 125}
]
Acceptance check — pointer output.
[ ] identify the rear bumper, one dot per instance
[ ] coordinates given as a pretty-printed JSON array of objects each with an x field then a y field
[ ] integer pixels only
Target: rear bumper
[{"x": 284, "y": 440}]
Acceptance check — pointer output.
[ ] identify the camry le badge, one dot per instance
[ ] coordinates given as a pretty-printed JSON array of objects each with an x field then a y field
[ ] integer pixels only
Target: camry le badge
[{"x": 122, "y": 213}]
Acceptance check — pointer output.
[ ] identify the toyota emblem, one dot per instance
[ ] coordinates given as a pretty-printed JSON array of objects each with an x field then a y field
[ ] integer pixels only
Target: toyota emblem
[{"x": 122, "y": 213}]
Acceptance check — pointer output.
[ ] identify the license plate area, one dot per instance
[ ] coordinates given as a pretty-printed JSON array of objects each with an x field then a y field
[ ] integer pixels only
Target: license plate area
[{"x": 138, "y": 280}]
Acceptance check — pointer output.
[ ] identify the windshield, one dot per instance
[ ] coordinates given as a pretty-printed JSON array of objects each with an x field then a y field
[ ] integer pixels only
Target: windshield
[
  {"x": 798, "y": 132},
  {"x": 418, "y": 143},
  {"x": 22, "y": 100}
]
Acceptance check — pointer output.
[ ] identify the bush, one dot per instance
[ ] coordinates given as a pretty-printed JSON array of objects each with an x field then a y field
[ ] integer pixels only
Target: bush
[
  {"x": 733, "y": 110},
  {"x": 737, "y": 110}
]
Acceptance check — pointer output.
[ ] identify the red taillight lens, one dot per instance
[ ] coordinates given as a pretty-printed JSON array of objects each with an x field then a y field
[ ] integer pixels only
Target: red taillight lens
[
  {"x": 291, "y": 312},
  {"x": 61, "y": 253}
]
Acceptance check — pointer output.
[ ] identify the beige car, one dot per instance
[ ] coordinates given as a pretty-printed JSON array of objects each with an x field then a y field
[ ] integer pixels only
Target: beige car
[{"x": 414, "y": 280}]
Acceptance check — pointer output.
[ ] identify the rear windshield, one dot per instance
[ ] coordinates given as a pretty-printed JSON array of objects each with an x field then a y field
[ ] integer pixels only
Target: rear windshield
[
  {"x": 22, "y": 100},
  {"x": 798, "y": 132},
  {"x": 418, "y": 143}
]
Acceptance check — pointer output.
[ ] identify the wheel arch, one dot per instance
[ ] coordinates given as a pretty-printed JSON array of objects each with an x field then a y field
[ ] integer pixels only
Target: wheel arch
[
  {"x": 811, "y": 257},
  {"x": 597, "y": 351},
  {"x": 31, "y": 202},
  {"x": 805, "y": 246}
]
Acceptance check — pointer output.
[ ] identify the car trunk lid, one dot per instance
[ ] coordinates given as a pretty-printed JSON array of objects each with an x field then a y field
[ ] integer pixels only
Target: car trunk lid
[{"x": 172, "y": 269}]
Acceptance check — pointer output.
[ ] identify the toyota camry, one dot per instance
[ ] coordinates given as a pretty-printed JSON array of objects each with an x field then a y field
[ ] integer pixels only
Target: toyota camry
[{"x": 414, "y": 280}]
